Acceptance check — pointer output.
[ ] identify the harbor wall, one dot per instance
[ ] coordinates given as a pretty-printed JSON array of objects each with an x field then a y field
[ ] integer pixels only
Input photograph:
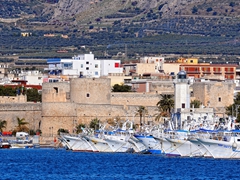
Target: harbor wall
[
  {"x": 31, "y": 112},
  {"x": 53, "y": 117}
]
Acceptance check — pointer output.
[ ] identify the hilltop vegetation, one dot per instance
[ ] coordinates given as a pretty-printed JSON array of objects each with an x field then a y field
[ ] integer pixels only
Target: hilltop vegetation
[{"x": 110, "y": 27}]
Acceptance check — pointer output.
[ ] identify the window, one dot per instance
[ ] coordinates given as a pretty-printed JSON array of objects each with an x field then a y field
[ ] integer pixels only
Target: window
[
  {"x": 87, "y": 68},
  {"x": 87, "y": 62},
  {"x": 81, "y": 65},
  {"x": 183, "y": 105},
  {"x": 88, "y": 95},
  {"x": 96, "y": 65},
  {"x": 56, "y": 89},
  {"x": 96, "y": 73},
  {"x": 67, "y": 66},
  {"x": 39, "y": 78},
  {"x": 219, "y": 99}
]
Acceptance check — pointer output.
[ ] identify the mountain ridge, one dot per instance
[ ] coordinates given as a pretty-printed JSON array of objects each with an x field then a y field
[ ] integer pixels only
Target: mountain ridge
[
  {"x": 108, "y": 26},
  {"x": 80, "y": 12}
]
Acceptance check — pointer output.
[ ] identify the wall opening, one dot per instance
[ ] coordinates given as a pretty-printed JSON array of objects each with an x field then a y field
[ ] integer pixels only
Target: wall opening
[{"x": 56, "y": 89}]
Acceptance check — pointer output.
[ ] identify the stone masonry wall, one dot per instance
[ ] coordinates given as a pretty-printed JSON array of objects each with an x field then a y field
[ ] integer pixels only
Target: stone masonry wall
[
  {"x": 32, "y": 112},
  {"x": 214, "y": 94},
  {"x": 13, "y": 99},
  {"x": 162, "y": 87},
  {"x": 74, "y": 114},
  {"x": 56, "y": 92},
  {"x": 90, "y": 90},
  {"x": 138, "y": 99}
]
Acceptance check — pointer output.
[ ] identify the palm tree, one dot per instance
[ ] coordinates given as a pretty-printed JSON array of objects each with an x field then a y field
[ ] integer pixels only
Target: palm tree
[
  {"x": 159, "y": 113},
  {"x": 22, "y": 125},
  {"x": 79, "y": 128},
  {"x": 94, "y": 123},
  {"x": 141, "y": 111},
  {"x": 3, "y": 125},
  {"x": 166, "y": 104},
  {"x": 196, "y": 103}
]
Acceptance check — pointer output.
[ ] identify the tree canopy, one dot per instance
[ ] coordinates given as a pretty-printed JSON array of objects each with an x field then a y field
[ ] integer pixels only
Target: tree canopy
[
  {"x": 94, "y": 123},
  {"x": 79, "y": 128},
  {"x": 3, "y": 125},
  {"x": 166, "y": 103},
  {"x": 21, "y": 126},
  {"x": 196, "y": 103},
  {"x": 141, "y": 111},
  {"x": 121, "y": 88},
  {"x": 32, "y": 94},
  {"x": 233, "y": 109}
]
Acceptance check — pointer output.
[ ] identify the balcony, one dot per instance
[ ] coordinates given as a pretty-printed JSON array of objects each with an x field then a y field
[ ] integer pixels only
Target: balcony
[
  {"x": 229, "y": 72},
  {"x": 53, "y": 68},
  {"x": 217, "y": 72},
  {"x": 193, "y": 72},
  {"x": 206, "y": 72}
]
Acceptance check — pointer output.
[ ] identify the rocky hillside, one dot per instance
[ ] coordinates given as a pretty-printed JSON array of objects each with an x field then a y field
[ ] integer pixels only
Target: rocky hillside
[
  {"x": 78, "y": 12},
  {"x": 82, "y": 11},
  {"x": 108, "y": 25}
]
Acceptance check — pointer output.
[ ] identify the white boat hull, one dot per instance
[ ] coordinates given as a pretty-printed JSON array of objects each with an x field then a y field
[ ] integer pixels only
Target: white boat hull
[{"x": 221, "y": 149}]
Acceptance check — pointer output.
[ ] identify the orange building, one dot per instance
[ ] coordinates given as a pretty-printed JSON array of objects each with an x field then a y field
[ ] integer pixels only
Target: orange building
[{"x": 227, "y": 71}]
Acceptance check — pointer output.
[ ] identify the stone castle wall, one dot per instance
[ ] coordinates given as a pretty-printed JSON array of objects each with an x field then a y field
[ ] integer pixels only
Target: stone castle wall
[
  {"x": 64, "y": 105},
  {"x": 55, "y": 117},
  {"x": 137, "y": 99},
  {"x": 214, "y": 94},
  {"x": 166, "y": 87},
  {"x": 31, "y": 112},
  {"x": 56, "y": 92},
  {"x": 13, "y": 99},
  {"x": 90, "y": 90}
]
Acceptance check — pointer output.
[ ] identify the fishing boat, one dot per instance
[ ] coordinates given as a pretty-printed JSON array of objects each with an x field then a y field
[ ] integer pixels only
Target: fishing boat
[
  {"x": 225, "y": 144},
  {"x": 77, "y": 143}
]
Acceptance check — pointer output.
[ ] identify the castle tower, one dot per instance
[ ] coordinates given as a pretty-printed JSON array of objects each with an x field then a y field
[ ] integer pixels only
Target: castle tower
[{"x": 181, "y": 91}]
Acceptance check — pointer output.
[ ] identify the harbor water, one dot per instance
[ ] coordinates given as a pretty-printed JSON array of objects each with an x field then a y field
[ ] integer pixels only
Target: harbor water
[{"x": 60, "y": 164}]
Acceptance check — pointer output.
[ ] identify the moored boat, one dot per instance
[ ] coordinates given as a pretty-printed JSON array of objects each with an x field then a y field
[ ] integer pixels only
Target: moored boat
[{"x": 4, "y": 144}]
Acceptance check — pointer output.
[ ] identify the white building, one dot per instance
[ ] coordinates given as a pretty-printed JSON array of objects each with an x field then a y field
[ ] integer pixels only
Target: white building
[
  {"x": 183, "y": 113},
  {"x": 30, "y": 77},
  {"x": 83, "y": 65},
  {"x": 158, "y": 61},
  {"x": 33, "y": 77},
  {"x": 182, "y": 91},
  {"x": 110, "y": 67}
]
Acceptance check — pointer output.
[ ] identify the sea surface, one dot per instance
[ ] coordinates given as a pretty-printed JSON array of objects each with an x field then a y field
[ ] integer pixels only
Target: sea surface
[{"x": 61, "y": 164}]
